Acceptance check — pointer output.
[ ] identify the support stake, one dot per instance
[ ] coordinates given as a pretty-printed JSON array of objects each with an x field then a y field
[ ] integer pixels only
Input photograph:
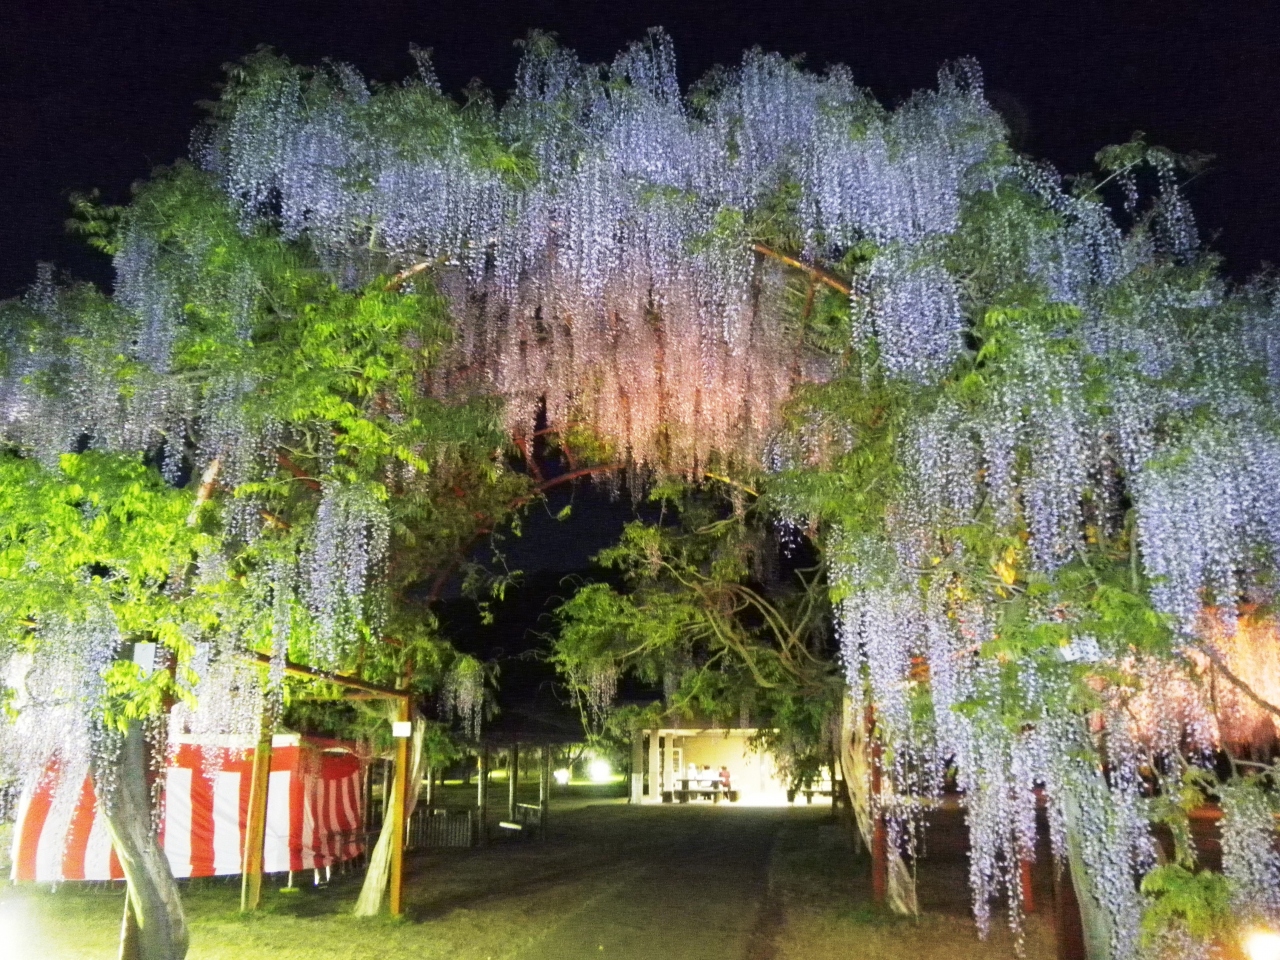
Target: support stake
[
  {"x": 398, "y": 806},
  {"x": 255, "y": 833}
]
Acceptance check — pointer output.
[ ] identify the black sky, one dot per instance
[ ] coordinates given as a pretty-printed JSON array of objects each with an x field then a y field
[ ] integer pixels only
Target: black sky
[{"x": 93, "y": 94}]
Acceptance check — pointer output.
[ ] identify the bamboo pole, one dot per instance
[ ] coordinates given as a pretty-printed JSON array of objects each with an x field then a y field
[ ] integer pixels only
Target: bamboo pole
[
  {"x": 256, "y": 827},
  {"x": 400, "y": 792}
]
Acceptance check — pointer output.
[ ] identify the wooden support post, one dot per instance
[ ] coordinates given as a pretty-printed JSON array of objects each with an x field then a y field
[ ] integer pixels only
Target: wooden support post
[
  {"x": 879, "y": 830},
  {"x": 879, "y": 862},
  {"x": 255, "y": 832},
  {"x": 655, "y": 766},
  {"x": 544, "y": 791},
  {"x": 482, "y": 796},
  {"x": 388, "y": 769},
  {"x": 1068, "y": 929},
  {"x": 400, "y": 793},
  {"x": 513, "y": 780},
  {"x": 637, "y": 766}
]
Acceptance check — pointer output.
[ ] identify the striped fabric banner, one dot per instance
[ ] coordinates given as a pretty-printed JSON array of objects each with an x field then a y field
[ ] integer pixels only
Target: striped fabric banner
[{"x": 314, "y": 816}]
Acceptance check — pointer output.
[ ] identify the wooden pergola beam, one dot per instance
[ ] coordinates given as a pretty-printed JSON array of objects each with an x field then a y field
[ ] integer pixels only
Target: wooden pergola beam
[{"x": 342, "y": 680}]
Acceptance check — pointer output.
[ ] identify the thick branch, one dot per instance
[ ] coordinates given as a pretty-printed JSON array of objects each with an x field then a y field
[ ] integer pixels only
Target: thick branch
[
  {"x": 522, "y": 445},
  {"x": 351, "y": 683},
  {"x": 1235, "y": 681},
  {"x": 208, "y": 483},
  {"x": 396, "y": 282},
  {"x": 297, "y": 471},
  {"x": 821, "y": 276}
]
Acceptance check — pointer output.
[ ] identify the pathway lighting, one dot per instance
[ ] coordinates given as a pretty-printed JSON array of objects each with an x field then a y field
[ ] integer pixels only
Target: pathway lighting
[
  {"x": 562, "y": 777},
  {"x": 600, "y": 771}
]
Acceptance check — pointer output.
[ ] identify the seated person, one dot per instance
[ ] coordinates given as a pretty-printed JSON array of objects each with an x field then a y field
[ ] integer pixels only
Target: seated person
[{"x": 724, "y": 778}]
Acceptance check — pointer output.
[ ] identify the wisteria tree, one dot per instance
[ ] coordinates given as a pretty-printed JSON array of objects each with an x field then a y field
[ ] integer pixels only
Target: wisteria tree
[
  {"x": 1026, "y": 425},
  {"x": 329, "y": 495}
]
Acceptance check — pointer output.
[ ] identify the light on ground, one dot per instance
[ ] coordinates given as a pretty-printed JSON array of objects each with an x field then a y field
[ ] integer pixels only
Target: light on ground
[
  {"x": 1262, "y": 945},
  {"x": 562, "y": 777},
  {"x": 13, "y": 928},
  {"x": 600, "y": 771}
]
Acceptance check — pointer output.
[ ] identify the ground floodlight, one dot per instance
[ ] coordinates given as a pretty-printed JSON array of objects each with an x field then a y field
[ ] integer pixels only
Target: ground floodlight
[
  {"x": 600, "y": 771},
  {"x": 562, "y": 777},
  {"x": 1262, "y": 945},
  {"x": 13, "y": 927}
]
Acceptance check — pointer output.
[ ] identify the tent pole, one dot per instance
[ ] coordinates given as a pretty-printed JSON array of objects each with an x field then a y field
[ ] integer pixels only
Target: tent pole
[
  {"x": 255, "y": 833},
  {"x": 398, "y": 807}
]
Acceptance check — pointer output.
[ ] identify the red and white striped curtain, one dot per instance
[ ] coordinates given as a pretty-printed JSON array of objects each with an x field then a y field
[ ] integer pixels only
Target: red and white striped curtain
[{"x": 315, "y": 816}]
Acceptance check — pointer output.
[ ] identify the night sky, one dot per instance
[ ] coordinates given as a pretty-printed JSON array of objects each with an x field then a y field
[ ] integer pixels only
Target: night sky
[{"x": 95, "y": 94}]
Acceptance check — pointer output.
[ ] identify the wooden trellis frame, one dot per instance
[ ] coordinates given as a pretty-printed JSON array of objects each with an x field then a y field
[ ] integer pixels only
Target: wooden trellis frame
[{"x": 255, "y": 830}]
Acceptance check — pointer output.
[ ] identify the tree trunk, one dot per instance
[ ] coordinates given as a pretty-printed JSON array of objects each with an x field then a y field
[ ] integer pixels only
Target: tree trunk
[
  {"x": 513, "y": 780},
  {"x": 1095, "y": 921},
  {"x": 378, "y": 874},
  {"x": 154, "y": 926}
]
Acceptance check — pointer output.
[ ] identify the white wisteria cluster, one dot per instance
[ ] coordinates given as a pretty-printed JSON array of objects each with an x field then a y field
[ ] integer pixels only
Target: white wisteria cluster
[
  {"x": 345, "y": 554},
  {"x": 1207, "y": 514},
  {"x": 462, "y": 696},
  {"x": 1249, "y": 857},
  {"x": 55, "y": 732},
  {"x": 228, "y": 708}
]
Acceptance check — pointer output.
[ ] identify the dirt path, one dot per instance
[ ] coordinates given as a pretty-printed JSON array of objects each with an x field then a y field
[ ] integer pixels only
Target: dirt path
[
  {"x": 693, "y": 884},
  {"x": 611, "y": 881}
]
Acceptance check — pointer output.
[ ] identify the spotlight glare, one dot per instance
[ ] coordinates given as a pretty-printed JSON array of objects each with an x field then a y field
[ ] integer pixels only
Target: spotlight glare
[
  {"x": 13, "y": 928},
  {"x": 1262, "y": 945},
  {"x": 562, "y": 777},
  {"x": 600, "y": 771}
]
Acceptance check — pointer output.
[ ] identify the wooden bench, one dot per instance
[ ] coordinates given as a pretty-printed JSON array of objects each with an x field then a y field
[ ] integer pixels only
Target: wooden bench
[{"x": 684, "y": 795}]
